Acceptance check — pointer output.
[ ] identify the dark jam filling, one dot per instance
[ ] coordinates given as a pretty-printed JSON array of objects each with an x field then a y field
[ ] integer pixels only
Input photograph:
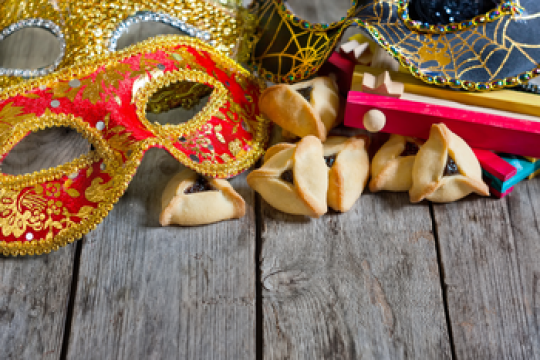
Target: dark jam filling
[
  {"x": 450, "y": 168},
  {"x": 200, "y": 185},
  {"x": 287, "y": 176},
  {"x": 330, "y": 160},
  {"x": 306, "y": 93},
  {"x": 410, "y": 149}
]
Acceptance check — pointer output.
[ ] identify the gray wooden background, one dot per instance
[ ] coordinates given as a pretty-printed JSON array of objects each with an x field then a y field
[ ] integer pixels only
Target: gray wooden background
[{"x": 387, "y": 280}]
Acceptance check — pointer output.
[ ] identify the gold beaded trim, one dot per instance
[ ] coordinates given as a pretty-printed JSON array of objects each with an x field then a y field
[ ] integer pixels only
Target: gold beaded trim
[
  {"x": 504, "y": 8},
  {"x": 153, "y": 45},
  {"x": 285, "y": 13},
  {"x": 121, "y": 173},
  {"x": 49, "y": 120},
  {"x": 522, "y": 78},
  {"x": 88, "y": 26},
  {"x": 69, "y": 235},
  {"x": 217, "y": 99}
]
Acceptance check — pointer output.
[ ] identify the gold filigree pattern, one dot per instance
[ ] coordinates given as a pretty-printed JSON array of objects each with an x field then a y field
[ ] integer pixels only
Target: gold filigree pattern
[
  {"x": 491, "y": 53},
  {"x": 289, "y": 49},
  {"x": 37, "y": 209},
  {"x": 70, "y": 206},
  {"x": 486, "y": 57},
  {"x": 181, "y": 94}
]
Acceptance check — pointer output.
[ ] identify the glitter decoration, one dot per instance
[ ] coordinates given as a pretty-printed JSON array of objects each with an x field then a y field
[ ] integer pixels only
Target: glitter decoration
[
  {"x": 87, "y": 28},
  {"x": 487, "y": 52},
  {"x": 47, "y": 25},
  {"x": 58, "y": 209},
  {"x": 441, "y": 17},
  {"x": 148, "y": 16}
]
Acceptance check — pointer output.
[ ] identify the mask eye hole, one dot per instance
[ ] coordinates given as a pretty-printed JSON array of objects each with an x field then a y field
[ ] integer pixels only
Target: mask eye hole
[
  {"x": 45, "y": 149},
  {"x": 326, "y": 11},
  {"x": 442, "y": 12},
  {"x": 177, "y": 103},
  {"x": 145, "y": 25},
  {"x": 31, "y": 60}
]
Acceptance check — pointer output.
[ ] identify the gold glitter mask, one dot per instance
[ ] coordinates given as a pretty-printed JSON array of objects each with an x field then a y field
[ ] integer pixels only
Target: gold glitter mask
[{"x": 86, "y": 28}]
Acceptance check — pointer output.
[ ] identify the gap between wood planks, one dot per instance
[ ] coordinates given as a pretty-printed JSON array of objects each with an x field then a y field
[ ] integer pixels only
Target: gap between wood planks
[
  {"x": 258, "y": 288},
  {"x": 72, "y": 297},
  {"x": 441, "y": 276},
  {"x": 259, "y": 335},
  {"x": 259, "y": 315}
]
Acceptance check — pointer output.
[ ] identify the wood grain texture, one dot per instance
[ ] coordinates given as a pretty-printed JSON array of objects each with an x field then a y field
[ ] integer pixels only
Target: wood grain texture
[
  {"x": 489, "y": 251},
  {"x": 165, "y": 293},
  {"x": 28, "y": 49},
  {"x": 34, "y": 293},
  {"x": 359, "y": 285},
  {"x": 45, "y": 149}
]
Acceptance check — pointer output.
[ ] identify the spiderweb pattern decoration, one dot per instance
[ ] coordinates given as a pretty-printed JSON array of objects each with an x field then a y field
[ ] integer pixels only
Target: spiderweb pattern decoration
[
  {"x": 289, "y": 49},
  {"x": 492, "y": 51}
]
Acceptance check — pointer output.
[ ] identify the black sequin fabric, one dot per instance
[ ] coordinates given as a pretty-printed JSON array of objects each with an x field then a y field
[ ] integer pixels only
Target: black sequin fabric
[{"x": 441, "y": 12}]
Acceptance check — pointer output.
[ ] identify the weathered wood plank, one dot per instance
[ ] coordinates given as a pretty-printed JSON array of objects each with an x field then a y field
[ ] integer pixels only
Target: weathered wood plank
[
  {"x": 364, "y": 284},
  {"x": 180, "y": 292},
  {"x": 34, "y": 293},
  {"x": 165, "y": 293},
  {"x": 490, "y": 252},
  {"x": 45, "y": 149}
]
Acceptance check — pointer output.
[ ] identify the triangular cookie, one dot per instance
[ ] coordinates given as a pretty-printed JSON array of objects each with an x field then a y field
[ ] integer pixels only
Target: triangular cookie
[
  {"x": 391, "y": 167},
  {"x": 295, "y": 179},
  {"x": 191, "y": 199},
  {"x": 271, "y": 151},
  {"x": 348, "y": 170},
  {"x": 446, "y": 169},
  {"x": 306, "y": 108}
]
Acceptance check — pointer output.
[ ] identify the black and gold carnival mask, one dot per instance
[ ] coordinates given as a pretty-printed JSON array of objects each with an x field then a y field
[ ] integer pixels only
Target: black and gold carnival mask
[{"x": 474, "y": 45}]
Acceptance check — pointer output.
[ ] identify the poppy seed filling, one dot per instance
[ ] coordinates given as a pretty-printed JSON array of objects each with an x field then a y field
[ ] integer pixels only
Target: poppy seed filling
[
  {"x": 451, "y": 167},
  {"x": 330, "y": 160},
  {"x": 306, "y": 92},
  {"x": 287, "y": 176},
  {"x": 200, "y": 185},
  {"x": 410, "y": 149}
]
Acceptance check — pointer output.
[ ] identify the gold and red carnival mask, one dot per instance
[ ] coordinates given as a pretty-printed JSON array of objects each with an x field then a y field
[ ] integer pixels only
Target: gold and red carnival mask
[{"x": 106, "y": 100}]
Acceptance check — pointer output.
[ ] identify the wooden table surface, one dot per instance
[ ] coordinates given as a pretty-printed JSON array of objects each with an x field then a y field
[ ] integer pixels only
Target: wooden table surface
[{"x": 387, "y": 280}]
